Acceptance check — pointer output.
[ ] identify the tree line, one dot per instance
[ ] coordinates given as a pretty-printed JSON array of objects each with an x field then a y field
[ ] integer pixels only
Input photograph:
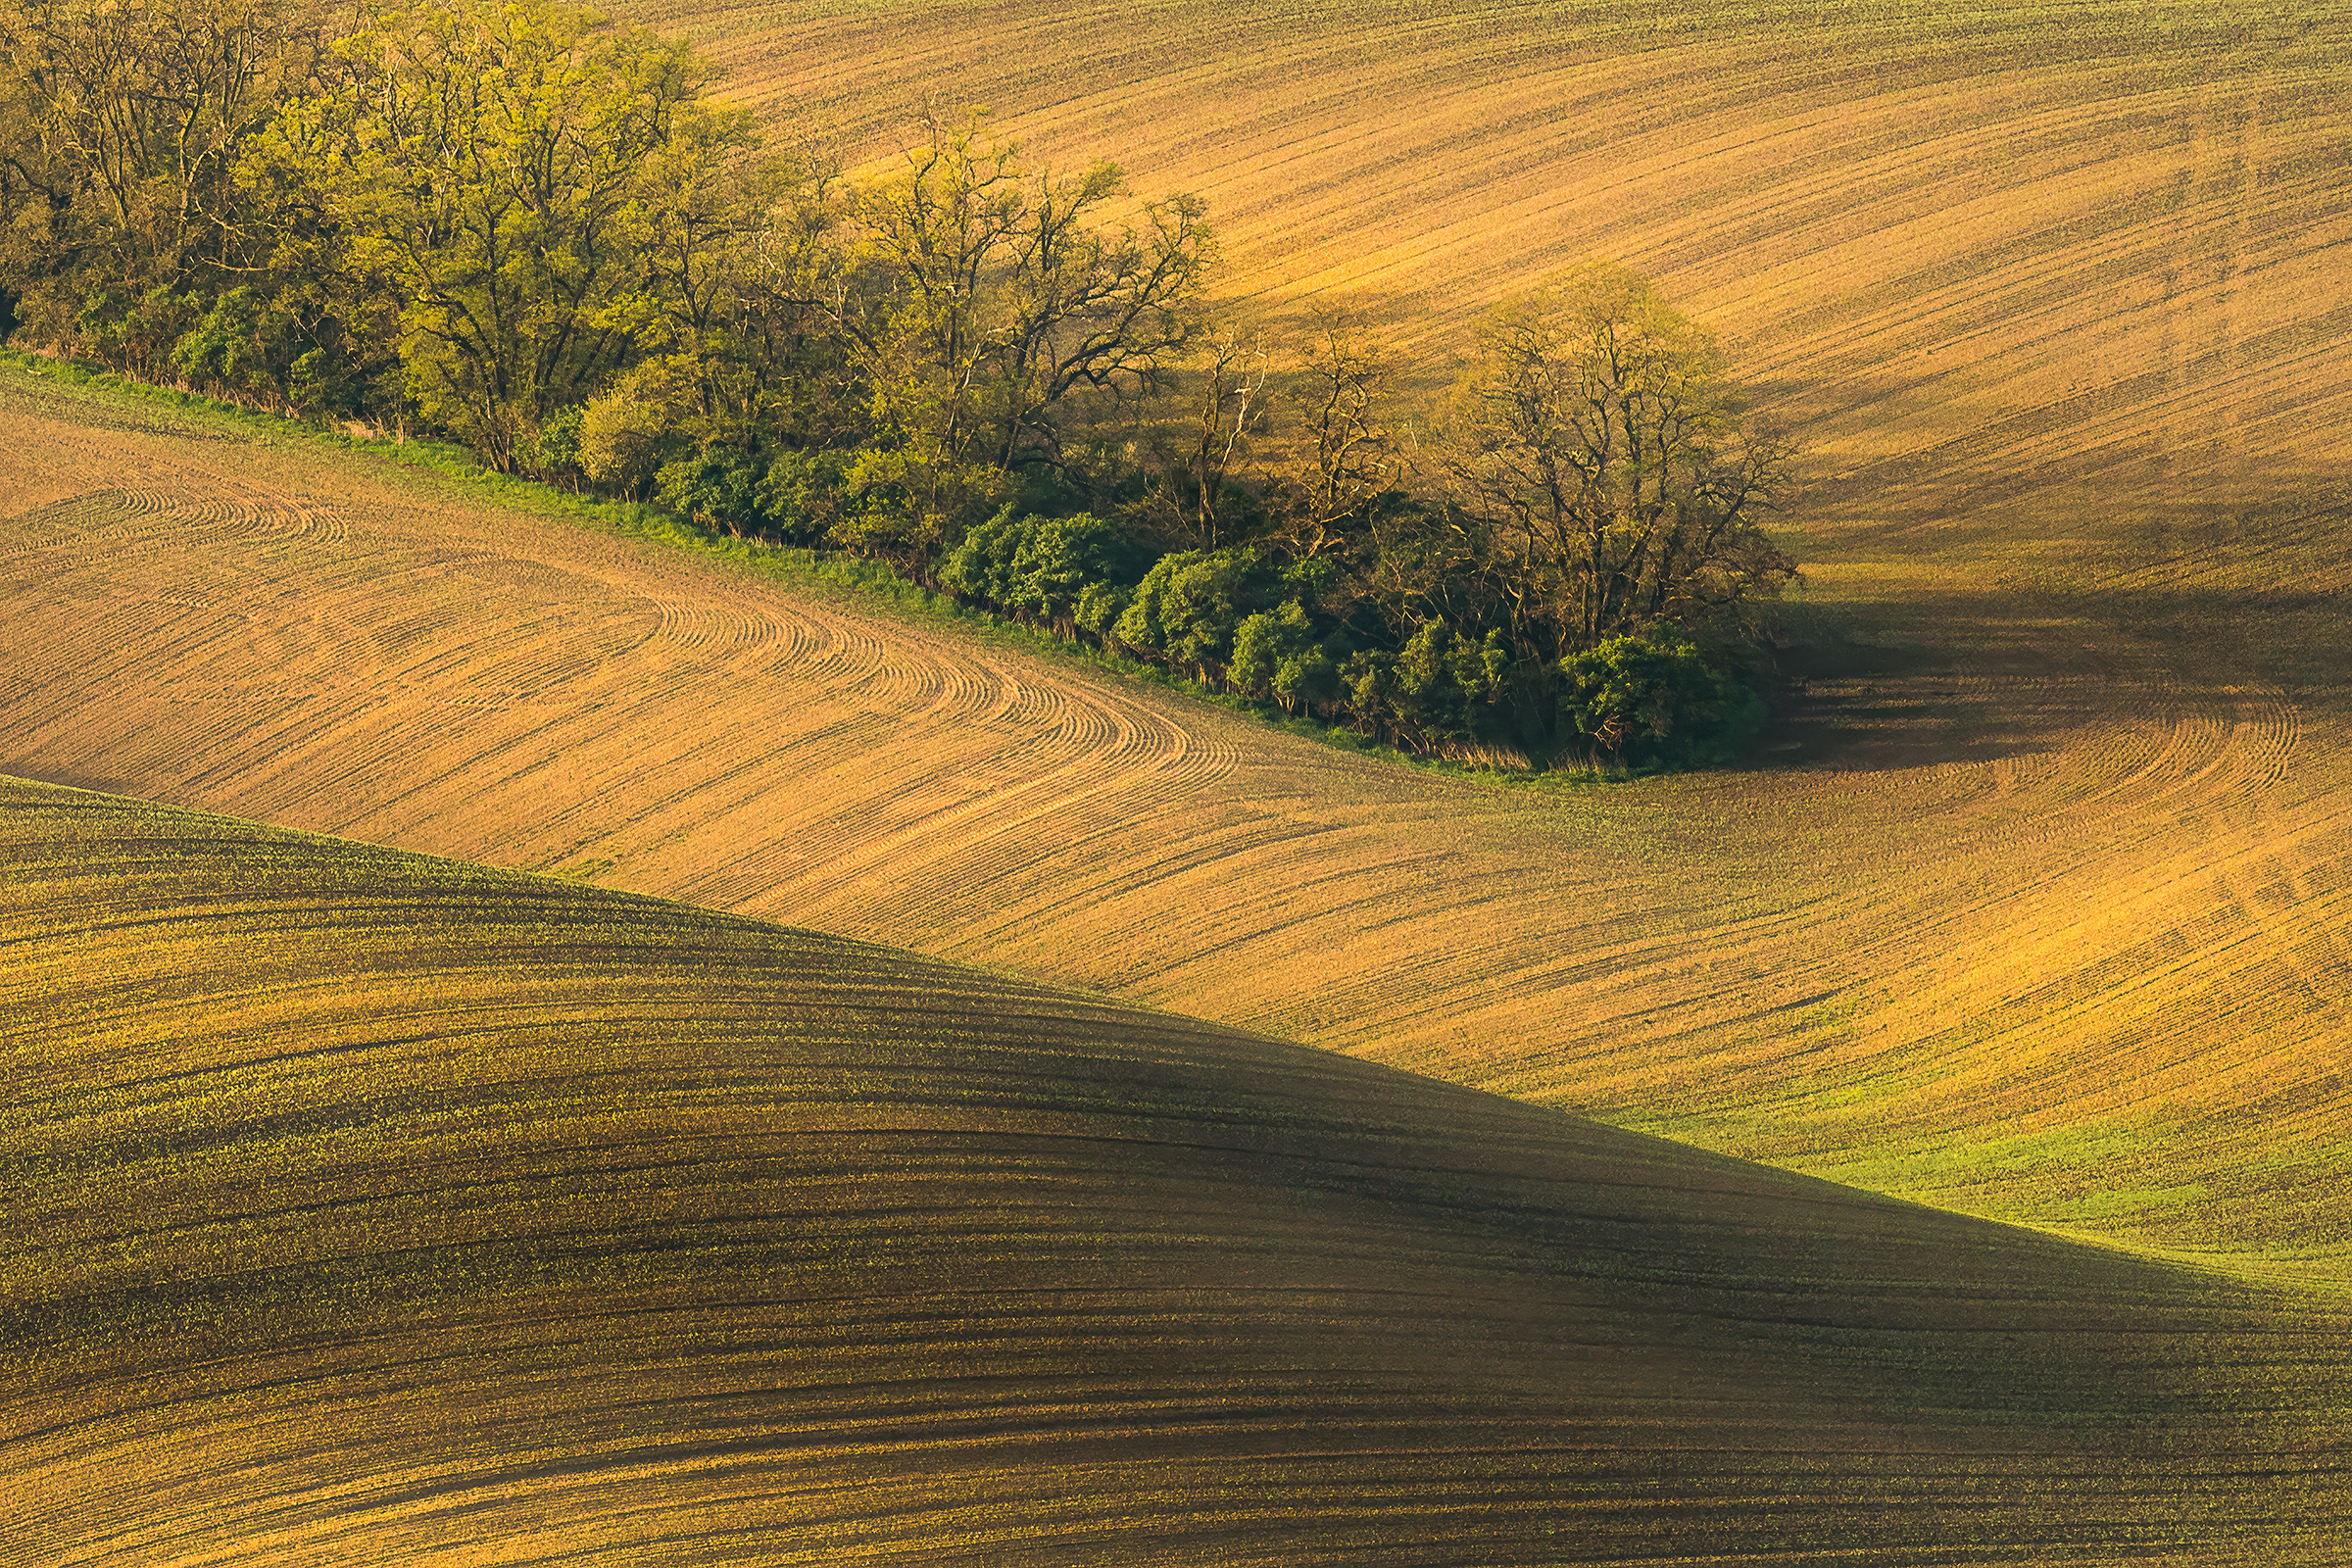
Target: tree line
[{"x": 517, "y": 227}]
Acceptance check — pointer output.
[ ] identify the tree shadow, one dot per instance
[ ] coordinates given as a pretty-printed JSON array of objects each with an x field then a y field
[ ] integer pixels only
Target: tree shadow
[
  {"x": 1999, "y": 634},
  {"x": 1950, "y": 677},
  {"x": 1886, "y": 688}
]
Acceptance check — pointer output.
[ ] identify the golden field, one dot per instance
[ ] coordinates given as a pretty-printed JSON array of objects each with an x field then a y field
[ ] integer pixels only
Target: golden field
[
  {"x": 2035, "y": 272},
  {"x": 2032, "y": 905},
  {"x": 370, "y": 1208},
  {"x": 2036, "y": 915}
]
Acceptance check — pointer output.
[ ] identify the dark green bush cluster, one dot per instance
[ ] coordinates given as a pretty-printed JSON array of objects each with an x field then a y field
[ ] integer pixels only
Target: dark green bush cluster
[
  {"x": 1656, "y": 699},
  {"x": 1235, "y": 620},
  {"x": 1071, "y": 573}
]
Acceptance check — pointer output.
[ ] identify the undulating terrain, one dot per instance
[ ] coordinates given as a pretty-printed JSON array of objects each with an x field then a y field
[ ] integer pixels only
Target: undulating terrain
[
  {"x": 366, "y": 1208},
  {"x": 2036, "y": 902},
  {"x": 2038, "y": 273},
  {"x": 2038, "y": 916}
]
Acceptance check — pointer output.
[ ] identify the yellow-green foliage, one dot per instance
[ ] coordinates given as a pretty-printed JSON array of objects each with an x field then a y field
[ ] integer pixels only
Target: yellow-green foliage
[{"x": 371, "y": 1208}]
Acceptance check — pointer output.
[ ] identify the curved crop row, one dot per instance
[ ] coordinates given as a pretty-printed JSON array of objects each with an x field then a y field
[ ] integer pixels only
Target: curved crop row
[{"x": 2035, "y": 914}]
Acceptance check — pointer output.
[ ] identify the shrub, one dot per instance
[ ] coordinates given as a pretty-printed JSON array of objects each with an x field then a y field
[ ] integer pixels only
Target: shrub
[
  {"x": 241, "y": 346},
  {"x": 717, "y": 489},
  {"x": 1187, "y": 608},
  {"x": 624, "y": 432},
  {"x": 1655, "y": 698},
  {"x": 1101, "y": 606},
  {"x": 980, "y": 567},
  {"x": 1275, "y": 654},
  {"x": 553, "y": 451},
  {"x": 1058, "y": 559},
  {"x": 806, "y": 492}
]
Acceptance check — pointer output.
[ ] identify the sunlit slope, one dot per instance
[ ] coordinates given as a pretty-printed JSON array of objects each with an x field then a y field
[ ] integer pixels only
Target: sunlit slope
[
  {"x": 369, "y": 1208},
  {"x": 2044, "y": 917},
  {"x": 2057, "y": 267}
]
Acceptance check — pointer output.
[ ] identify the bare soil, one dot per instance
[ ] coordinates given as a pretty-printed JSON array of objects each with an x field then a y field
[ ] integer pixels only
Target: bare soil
[{"x": 2032, "y": 908}]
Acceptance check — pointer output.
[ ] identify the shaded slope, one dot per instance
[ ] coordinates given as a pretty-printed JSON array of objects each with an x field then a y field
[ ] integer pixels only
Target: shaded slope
[
  {"x": 366, "y": 1208},
  {"x": 2043, "y": 917}
]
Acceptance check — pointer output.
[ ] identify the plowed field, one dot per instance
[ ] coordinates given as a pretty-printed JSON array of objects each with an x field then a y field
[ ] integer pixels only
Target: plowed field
[
  {"x": 2044, "y": 270},
  {"x": 2037, "y": 910},
  {"x": 366, "y": 1208}
]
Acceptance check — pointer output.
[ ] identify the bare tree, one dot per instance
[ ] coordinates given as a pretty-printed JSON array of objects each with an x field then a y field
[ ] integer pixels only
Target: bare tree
[
  {"x": 981, "y": 300},
  {"x": 1346, "y": 456},
  {"x": 1228, "y": 414},
  {"x": 1601, "y": 452}
]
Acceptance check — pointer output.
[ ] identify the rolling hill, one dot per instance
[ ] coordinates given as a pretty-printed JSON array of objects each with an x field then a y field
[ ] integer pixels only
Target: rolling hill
[
  {"x": 2036, "y": 915},
  {"x": 364, "y": 1207},
  {"x": 360, "y": 1207}
]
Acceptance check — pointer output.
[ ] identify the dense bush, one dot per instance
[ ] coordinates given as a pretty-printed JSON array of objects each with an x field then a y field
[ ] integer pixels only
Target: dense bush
[
  {"x": 1655, "y": 698},
  {"x": 1039, "y": 568},
  {"x": 1276, "y": 655},
  {"x": 719, "y": 489}
]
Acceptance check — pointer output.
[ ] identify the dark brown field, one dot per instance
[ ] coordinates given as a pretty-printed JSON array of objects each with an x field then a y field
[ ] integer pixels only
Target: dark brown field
[{"x": 367, "y": 1209}]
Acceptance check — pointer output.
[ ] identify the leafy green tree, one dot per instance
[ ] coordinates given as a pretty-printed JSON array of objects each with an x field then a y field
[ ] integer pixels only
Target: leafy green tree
[
  {"x": 1259, "y": 643},
  {"x": 1441, "y": 688},
  {"x": 1060, "y": 557},
  {"x": 243, "y": 345},
  {"x": 1306, "y": 680},
  {"x": 1367, "y": 683},
  {"x": 1039, "y": 568},
  {"x": 503, "y": 172},
  {"x": 1428, "y": 700},
  {"x": 1101, "y": 607},
  {"x": 806, "y": 494},
  {"x": 554, "y": 454}
]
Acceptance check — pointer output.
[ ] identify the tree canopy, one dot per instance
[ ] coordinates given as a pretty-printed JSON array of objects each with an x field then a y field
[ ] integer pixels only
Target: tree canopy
[
  {"x": 1598, "y": 448},
  {"x": 511, "y": 223}
]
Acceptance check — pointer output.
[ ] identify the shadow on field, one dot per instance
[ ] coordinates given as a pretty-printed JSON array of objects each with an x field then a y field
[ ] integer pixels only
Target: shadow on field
[
  {"x": 1949, "y": 680},
  {"x": 1943, "y": 675},
  {"x": 596, "y": 1218},
  {"x": 2291, "y": 637}
]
